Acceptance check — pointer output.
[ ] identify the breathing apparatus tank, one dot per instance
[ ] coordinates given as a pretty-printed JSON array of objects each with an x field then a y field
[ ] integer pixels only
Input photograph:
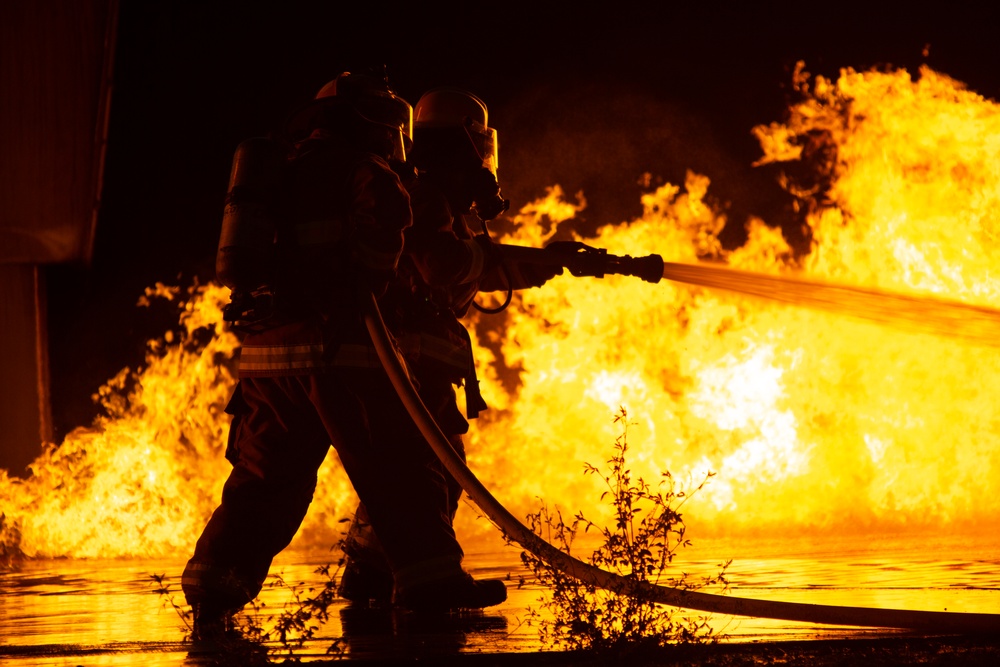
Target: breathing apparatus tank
[
  {"x": 360, "y": 107},
  {"x": 245, "y": 258}
]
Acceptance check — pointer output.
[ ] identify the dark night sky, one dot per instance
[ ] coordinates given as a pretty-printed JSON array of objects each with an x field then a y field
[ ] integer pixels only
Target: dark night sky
[{"x": 589, "y": 99}]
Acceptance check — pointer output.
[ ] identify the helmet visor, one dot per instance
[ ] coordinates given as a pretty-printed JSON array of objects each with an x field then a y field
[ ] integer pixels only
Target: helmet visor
[
  {"x": 386, "y": 109},
  {"x": 484, "y": 139},
  {"x": 389, "y": 111}
]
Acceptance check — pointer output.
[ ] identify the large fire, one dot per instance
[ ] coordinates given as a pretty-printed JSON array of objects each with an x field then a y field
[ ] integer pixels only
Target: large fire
[{"x": 811, "y": 420}]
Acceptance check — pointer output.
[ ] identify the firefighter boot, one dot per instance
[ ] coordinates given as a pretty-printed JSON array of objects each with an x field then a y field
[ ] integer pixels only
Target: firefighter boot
[
  {"x": 212, "y": 624},
  {"x": 367, "y": 580},
  {"x": 452, "y": 594},
  {"x": 366, "y": 583}
]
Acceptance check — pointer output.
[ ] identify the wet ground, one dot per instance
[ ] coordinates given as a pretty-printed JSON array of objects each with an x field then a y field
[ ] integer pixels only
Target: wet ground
[{"x": 89, "y": 612}]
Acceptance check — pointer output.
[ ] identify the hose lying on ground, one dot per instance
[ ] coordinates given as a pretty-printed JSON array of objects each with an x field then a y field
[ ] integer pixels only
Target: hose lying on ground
[{"x": 938, "y": 622}]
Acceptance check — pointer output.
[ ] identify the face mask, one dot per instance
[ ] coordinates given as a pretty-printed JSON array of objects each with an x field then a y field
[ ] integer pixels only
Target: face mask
[{"x": 487, "y": 200}]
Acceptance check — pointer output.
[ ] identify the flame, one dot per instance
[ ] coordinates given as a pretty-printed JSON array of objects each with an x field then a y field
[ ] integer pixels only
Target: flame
[
  {"x": 810, "y": 420},
  {"x": 143, "y": 479}
]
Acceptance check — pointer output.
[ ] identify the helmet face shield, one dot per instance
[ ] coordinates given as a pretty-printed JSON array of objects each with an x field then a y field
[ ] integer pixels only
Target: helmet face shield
[
  {"x": 392, "y": 112},
  {"x": 364, "y": 97},
  {"x": 386, "y": 109},
  {"x": 448, "y": 107},
  {"x": 484, "y": 139},
  {"x": 399, "y": 146}
]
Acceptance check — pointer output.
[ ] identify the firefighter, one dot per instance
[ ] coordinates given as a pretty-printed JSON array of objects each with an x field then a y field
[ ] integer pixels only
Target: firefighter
[
  {"x": 309, "y": 376},
  {"x": 448, "y": 259}
]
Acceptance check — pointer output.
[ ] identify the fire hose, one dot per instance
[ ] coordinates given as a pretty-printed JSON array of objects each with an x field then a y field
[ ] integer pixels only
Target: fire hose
[{"x": 937, "y": 622}]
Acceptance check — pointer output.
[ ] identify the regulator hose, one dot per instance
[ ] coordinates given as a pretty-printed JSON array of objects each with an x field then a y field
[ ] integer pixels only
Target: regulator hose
[{"x": 936, "y": 622}]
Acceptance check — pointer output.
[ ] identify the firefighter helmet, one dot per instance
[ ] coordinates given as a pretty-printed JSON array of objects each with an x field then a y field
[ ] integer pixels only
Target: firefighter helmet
[
  {"x": 366, "y": 97},
  {"x": 447, "y": 107}
]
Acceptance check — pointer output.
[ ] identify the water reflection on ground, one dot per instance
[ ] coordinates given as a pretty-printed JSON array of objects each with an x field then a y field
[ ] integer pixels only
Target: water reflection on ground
[{"x": 60, "y": 612}]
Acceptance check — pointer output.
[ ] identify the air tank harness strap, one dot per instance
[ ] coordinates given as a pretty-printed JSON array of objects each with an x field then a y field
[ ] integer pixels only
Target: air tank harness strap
[{"x": 474, "y": 403}]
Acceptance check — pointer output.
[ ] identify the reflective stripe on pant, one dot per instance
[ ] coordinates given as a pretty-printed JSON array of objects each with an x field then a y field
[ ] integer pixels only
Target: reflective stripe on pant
[{"x": 280, "y": 444}]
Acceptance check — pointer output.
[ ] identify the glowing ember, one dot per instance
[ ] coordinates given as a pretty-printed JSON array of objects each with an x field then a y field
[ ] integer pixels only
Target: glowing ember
[{"x": 811, "y": 420}]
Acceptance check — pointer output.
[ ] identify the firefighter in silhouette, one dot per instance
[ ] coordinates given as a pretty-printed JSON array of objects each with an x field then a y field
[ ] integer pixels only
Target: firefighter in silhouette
[
  {"x": 326, "y": 221},
  {"x": 448, "y": 259}
]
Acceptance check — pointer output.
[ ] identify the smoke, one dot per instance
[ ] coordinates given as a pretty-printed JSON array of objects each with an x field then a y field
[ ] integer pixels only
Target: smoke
[{"x": 614, "y": 141}]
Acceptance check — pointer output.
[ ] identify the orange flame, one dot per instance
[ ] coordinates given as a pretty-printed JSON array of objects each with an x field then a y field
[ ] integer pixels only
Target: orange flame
[
  {"x": 810, "y": 420},
  {"x": 144, "y": 478},
  {"x": 134, "y": 482}
]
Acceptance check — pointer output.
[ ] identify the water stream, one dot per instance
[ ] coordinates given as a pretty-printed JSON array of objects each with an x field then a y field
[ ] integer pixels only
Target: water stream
[{"x": 916, "y": 313}]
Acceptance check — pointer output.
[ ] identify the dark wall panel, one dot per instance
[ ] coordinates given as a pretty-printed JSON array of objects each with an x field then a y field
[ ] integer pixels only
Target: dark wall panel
[{"x": 55, "y": 73}]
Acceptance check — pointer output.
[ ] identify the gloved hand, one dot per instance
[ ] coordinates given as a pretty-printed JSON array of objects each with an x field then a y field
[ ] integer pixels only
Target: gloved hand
[{"x": 568, "y": 254}]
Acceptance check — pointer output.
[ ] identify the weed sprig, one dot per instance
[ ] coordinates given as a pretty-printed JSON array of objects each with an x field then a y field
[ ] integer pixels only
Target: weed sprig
[
  {"x": 260, "y": 634},
  {"x": 648, "y": 533}
]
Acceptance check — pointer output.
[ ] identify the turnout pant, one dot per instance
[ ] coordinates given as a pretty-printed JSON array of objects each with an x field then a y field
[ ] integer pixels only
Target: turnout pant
[
  {"x": 363, "y": 542},
  {"x": 280, "y": 435}
]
